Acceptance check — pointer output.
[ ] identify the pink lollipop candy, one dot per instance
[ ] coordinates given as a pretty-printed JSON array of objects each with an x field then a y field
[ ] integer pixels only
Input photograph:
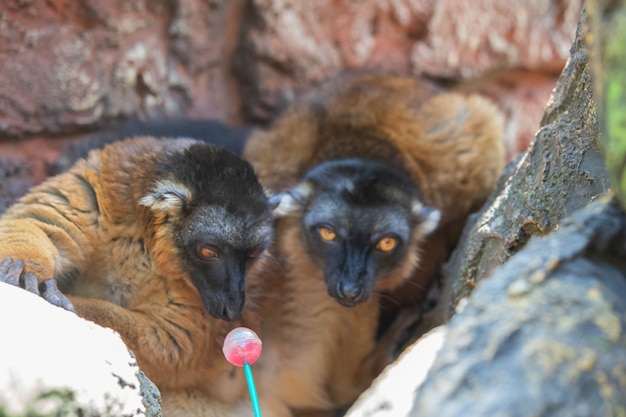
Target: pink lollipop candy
[{"x": 241, "y": 346}]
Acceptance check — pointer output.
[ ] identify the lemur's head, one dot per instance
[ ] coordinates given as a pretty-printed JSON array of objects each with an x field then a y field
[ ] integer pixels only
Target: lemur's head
[
  {"x": 363, "y": 223},
  {"x": 214, "y": 220}
]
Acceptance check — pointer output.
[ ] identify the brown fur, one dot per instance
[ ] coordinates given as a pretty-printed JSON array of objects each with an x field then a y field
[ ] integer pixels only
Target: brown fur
[
  {"x": 126, "y": 273},
  {"x": 321, "y": 355}
]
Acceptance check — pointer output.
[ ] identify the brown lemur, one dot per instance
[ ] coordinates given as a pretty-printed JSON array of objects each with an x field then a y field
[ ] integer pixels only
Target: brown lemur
[
  {"x": 377, "y": 173},
  {"x": 153, "y": 238}
]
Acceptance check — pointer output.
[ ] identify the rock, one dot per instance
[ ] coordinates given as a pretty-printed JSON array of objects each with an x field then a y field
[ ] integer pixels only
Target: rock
[
  {"x": 543, "y": 335},
  {"x": 70, "y": 65},
  {"x": 560, "y": 173},
  {"x": 56, "y": 363},
  {"x": 465, "y": 40}
]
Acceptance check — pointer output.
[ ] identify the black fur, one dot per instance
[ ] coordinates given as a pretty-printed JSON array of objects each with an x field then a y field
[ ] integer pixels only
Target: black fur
[
  {"x": 209, "y": 131},
  {"x": 373, "y": 182},
  {"x": 217, "y": 176}
]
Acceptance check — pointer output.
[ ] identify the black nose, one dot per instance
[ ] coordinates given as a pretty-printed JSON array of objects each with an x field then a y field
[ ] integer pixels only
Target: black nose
[
  {"x": 349, "y": 293},
  {"x": 229, "y": 311},
  {"x": 231, "y": 314}
]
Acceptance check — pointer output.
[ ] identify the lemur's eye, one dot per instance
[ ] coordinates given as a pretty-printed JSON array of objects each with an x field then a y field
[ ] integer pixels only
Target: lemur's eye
[
  {"x": 386, "y": 244},
  {"x": 254, "y": 254},
  {"x": 207, "y": 253},
  {"x": 327, "y": 234}
]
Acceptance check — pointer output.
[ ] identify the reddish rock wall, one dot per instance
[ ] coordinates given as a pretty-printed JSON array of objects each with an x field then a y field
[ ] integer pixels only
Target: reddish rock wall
[
  {"x": 510, "y": 50},
  {"x": 73, "y": 66},
  {"x": 74, "y": 63}
]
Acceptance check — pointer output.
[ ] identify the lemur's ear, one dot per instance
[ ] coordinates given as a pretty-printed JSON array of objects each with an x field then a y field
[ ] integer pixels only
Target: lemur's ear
[
  {"x": 168, "y": 197},
  {"x": 291, "y": 200},
  {"x": 428, "y": 217}
]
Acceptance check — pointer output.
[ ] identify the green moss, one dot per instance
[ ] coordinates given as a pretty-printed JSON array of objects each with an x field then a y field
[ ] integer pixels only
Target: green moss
[
  {"x": 613, "y": 61},
  {"x": 53, "y": 403}
]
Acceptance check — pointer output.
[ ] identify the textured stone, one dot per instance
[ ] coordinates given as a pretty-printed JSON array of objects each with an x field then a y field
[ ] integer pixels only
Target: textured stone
[
  {"x": 56, "y": 362},
  {"x": 543, "y": 335},
  {"x": 562, "y": 172},
  {"x": 72, "y": 64},
  {"x": 467, "y": 39}
]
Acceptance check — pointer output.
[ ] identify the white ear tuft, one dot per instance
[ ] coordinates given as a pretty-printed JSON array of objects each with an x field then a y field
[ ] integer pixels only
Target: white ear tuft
[
  {"x": 167, "y": 196},
  {"x": 429, "y": 217},
  {"x": 292, "y": 200}
]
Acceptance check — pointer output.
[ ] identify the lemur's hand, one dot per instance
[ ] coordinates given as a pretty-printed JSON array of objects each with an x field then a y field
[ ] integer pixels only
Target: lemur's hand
[{"x": 12, "y": 272}]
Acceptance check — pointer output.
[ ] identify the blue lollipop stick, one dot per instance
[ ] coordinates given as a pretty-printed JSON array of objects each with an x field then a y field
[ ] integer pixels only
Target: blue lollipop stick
[{"x": 252, "y": 389}]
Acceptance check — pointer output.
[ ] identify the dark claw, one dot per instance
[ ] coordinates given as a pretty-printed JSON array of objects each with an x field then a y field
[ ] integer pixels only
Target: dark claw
[
  {"x": 30, "y": 284},
  {"x": 10, "y": 271},
  {"x": 5, "y": 263},
  {"x": 50, "y": 292}
]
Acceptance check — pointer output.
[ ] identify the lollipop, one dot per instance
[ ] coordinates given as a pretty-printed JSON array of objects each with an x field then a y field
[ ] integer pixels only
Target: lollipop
[{"x": 242, "y": 347}]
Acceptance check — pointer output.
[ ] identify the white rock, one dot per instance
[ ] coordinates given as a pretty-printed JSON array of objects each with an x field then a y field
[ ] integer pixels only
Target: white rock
[
  {"x": 44, "y": 348},
  {"x": 391, "y": 393}
]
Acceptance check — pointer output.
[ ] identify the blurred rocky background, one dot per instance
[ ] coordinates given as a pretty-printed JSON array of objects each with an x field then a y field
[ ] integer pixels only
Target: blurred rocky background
[{"x": 69, "y": 68}]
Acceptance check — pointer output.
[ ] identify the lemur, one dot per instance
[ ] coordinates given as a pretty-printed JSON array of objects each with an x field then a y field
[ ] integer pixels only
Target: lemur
[
  {"x": 154, "y": 239},
  {"x": 377, "y": 173}
]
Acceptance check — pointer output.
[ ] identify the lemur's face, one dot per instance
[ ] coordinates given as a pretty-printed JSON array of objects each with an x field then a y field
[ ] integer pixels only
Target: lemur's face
[
  {"x": 220, "y": 246},
  {"x": 360, "y": 221}
]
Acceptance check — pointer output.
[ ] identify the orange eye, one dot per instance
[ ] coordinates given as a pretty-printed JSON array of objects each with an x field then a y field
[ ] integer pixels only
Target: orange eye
[
  {"x": 386, "y": 244},
  {"x": 327, "y": 234},
  {"x": 207, "y": 253}
]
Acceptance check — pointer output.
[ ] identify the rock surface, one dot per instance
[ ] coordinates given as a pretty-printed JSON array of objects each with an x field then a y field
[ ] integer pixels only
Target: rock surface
[
  {"x": 71, "y": 64},
  {"x": 541, "y": 336},
  {"x": 55, "y": 363},
  {"x": 562, "y": 172}
]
